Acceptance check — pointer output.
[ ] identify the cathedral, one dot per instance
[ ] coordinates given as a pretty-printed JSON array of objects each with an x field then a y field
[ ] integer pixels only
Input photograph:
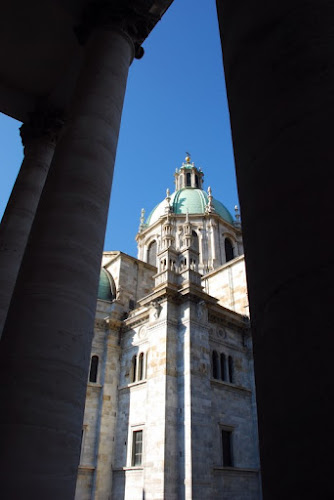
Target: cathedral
[{"x": 170, "y": 407}]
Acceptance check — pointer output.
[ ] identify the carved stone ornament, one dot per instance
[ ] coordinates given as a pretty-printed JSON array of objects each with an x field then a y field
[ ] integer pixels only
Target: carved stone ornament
[
  {"x": 157, "y": 309},
  {"x": 222, "y": 333},
  {"x": 200, "y": 308},
  {"x": 142, "y": 333},
  {"x": 140, "y": 336}
]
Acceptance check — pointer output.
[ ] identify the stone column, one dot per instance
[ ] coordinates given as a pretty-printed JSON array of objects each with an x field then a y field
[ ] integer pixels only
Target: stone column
[
  {"x": 39, "y": 137},
  {"x": 47, "y": 336},
  {"x": 279, "y": 68}
]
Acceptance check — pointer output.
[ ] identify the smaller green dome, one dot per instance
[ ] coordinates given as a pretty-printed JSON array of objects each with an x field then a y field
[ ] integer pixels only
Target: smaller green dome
[{"x": 104, "y": 291}]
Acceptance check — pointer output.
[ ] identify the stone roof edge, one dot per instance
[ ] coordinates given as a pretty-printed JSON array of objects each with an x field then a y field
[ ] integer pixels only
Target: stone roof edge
[
  {"x": 223, "y": 266},
  {"x": 222, "y": 312},
  {"x": 117, "y": 253}
]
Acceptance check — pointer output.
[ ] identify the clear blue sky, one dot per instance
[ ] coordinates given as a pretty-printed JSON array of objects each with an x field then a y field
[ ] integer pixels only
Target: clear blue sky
[{"x": 175, "y": 102}]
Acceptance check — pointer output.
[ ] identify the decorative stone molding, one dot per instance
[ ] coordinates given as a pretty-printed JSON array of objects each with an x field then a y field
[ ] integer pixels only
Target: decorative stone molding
[
  {"x": 133, "y": 322},
  {"x": 230, "y": 387}
]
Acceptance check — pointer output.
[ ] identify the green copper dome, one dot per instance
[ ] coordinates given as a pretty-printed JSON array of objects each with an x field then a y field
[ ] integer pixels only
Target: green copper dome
[
  {"x": 104, "y": 291},
  {"x": 190, "y": 200}
]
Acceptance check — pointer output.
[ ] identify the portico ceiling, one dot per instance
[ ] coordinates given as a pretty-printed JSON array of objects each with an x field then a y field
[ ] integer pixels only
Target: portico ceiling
[{"x": 40, "y": 55}]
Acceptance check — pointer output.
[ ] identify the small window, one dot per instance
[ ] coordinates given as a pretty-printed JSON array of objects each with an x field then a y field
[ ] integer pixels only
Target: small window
[
  {"x": 215, "y": 365},
  {"x": 131, "y": 304},
  {"x": 141, "y": 366},
  {"x": 133, "y": 368},
  {"x": 94, "y": 363},
  {"x": 230, "y": 369},
  {"x": 137, "y": 448},
  {"x": 227, "y": 448},
  {"x": 188, "y": 179},
  {"x": 196, "y": 181},
  {"x": 229, "y": 253},
  {"x": 222, "y": 366},
  {"x": 82, "y": 446}
]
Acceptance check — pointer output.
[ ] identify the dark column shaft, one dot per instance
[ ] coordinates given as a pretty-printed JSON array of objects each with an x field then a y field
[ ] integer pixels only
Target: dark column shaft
[
  {"x": 279, "y": 68},
  {"x": 47, "y": 336},
  {"x": 39, "y": 140}
]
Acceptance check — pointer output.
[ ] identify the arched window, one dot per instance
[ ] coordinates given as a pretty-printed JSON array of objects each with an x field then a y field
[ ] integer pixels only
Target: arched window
[
  {"x": 94, "y": 363},
  {"x": 196, "y": 181},
  {"x": 188, "y": 179},
  {"x": 141, "y": 366},
  {"x": 230, "y": 369},
  {"x": 229, "y": 253},
  {"x": 215, "y": 367},
  {"x": 222, "y": 366},
  {"x": 195, "y": 243},
  {"x": 152, "y": 253},
  {"x": 133, "y": 369}
]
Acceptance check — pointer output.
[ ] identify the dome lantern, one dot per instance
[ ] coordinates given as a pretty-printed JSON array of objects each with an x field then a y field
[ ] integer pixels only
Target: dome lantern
[{"x": 188, "y": 175}]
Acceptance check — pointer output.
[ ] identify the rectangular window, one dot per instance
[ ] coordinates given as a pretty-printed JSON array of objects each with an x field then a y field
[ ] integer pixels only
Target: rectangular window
[
  {"x": 137, "y": 448},
  {"x": 227, "y": 448}
]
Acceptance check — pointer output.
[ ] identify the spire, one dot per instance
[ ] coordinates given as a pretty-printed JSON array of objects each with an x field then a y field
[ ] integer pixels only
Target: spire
[
  {"x": 168, "y": 208},
  {"x": 209, "y": 208},
  {"x": 237, "y": 216},
  {"x": 142, "y": 220}
]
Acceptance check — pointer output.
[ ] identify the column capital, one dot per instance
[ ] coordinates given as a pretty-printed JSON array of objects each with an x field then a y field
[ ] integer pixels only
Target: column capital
[
  {"x": 132, "y": 20},
  {"x": 42, "y": 124}
]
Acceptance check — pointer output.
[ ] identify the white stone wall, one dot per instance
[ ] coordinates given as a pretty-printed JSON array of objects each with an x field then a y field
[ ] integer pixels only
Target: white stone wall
[
  {"x": 229, "y": 285},
  {"x": 178, "y": 405},
  {"x": 133, "y": 278}
]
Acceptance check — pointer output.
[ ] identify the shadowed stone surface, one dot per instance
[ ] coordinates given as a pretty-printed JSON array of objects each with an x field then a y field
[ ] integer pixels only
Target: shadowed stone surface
[{"x": 279, "y": 69}]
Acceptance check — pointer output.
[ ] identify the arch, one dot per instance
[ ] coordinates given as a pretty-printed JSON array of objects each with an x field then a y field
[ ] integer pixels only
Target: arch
[
  {"x": 141, "y": 366},
  {"x": 152, "y": 253},
  {"x": 230, "y": 369},
  {"x": 222, "y": 366},
  {"x": 133, "y": 369},
  {"x": 188, "y": 179},
  {"x": 215, "y": 365},
  {"x": 229, "y": 252},
  {"x": 94, "y": 364},
  {"x": 196, "y": 181}
]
